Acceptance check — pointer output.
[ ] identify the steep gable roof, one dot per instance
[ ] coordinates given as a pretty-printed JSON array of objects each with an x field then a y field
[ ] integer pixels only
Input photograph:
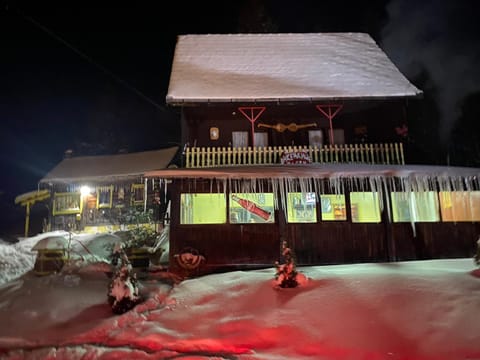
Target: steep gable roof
[
  {"x": 282, "y": 67},
  {"x": 109, "y": 167}
]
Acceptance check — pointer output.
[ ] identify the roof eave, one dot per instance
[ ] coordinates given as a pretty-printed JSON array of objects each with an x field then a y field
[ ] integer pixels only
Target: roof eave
[{"x": 197, "y": 101}]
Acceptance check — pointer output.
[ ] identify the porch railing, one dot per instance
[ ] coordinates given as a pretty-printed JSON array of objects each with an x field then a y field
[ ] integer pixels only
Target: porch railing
[{"x": 199, "y": 157}]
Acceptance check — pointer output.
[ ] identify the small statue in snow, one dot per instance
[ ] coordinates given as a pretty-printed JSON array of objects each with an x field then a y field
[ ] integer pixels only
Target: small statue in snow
[
  {"x": 286, "y": 273},
  {"x": 123, "y": 288},
  {"x": 476, "y": 258}
]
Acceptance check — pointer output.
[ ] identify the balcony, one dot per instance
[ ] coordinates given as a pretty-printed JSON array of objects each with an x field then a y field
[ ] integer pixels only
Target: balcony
[{"x": 204, "y": 157}]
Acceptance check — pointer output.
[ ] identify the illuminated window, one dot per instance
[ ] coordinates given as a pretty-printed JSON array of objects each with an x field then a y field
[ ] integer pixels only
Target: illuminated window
[
  {"x": 104, "y": 197},
  {"x": 333, "y": 207},
  {"x": 301, "y": 207},
  {"x": 365, "y": 207},
  {"x": 67, "y": 203},
  {"x": 138, "y": 194},
  {"x": 415, "y": 206},
  {"x": 203, "y": 209},
  {"x": 251, "y": 208},
  {"x": 460, "y": 205}
]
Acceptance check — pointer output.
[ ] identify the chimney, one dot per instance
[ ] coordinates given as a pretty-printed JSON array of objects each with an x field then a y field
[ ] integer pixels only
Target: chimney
[{"x": 68, "y": 154}]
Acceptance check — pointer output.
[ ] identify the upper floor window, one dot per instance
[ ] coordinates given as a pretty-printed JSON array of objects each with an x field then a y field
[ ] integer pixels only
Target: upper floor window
[
  {"x": 239, "y": 139},
  {"x": 315, "y": 138},
  {"x": 261, "y": 139}
]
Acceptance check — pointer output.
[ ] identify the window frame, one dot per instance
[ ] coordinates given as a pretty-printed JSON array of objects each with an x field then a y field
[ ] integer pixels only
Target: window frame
[{"x": 67, "y": 210}]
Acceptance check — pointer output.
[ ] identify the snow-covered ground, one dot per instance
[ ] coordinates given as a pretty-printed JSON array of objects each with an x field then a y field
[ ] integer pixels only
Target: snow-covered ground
[{"x": 405, "y": 310}]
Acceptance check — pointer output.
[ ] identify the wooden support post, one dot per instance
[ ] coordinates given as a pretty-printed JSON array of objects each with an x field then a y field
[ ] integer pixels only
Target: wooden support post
[
  {"x": 330, "y": 111},
  {"x": 27, "y": 218}
]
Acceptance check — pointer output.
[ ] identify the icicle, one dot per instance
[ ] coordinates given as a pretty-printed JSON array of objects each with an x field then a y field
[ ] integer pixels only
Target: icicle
[
  {"x": 275, "y": 191},
  {"x": 165, "y": 189},
  {"x": 387, "y": 199},
  {"x": 145, "y": 192},
  {"x": 224, "y": 182},
  {"x": 317, "y": 190},
  {"x": 283, "y": 192}
]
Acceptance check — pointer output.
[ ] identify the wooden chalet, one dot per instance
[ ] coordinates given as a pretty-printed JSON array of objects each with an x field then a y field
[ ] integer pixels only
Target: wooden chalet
[
  {"x": 97, "y": 194},
  {"x": 299, "y": 137}
]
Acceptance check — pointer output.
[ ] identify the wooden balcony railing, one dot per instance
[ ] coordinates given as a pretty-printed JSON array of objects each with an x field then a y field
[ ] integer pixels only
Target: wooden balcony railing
[{"x": 199, "y": 157}]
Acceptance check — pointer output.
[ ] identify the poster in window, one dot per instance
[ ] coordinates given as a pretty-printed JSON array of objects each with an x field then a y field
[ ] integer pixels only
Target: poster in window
[
  {"x": 367, "y": 207},
  {"x": 333, "y": 207},
  {"x": 301, "y": 207},
  {"x": 251, "y": 208}
]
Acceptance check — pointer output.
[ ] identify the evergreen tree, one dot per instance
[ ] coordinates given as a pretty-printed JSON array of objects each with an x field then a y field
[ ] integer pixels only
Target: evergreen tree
[
  {"x": 123, "y": 292},
  {"x": 286, "y": 272}
]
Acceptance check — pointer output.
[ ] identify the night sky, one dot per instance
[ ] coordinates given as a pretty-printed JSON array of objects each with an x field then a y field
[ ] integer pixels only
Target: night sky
[{"x": 93, "y": 77}]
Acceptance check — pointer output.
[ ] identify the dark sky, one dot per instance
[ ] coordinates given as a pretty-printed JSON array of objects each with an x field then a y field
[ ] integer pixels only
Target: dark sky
[{"x": 93, "y": 77}]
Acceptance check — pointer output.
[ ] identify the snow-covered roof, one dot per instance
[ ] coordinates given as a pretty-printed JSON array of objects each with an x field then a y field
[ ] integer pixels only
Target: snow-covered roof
[
  {"x": 51, "y": 243},
  {"x": 411, "y": 176},
  {"x": 109, "y": 167},
  {"x": 283, "y": 67},
  {"x": 317, "y": 171}
]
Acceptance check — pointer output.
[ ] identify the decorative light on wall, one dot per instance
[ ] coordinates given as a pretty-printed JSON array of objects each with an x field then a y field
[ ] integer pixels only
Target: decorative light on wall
[
  {"x": 85, "y": 190},
  {"x": 214, "y": 133}
]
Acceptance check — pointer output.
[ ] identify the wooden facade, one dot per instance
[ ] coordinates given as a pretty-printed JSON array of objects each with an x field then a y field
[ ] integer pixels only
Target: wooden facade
[
  {"x": 97, "y": 194},
  {"x": 231, "y": 245},
  {"x": 243, "y": 123},
  {"x": 344, "y": 108},
  {"x": 360, "y": 121},
  {"x": 105, "y": 206}
]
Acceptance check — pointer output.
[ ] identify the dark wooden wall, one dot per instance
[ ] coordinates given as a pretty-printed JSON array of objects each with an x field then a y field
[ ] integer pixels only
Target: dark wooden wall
[
  {"x": 238, "y": 246},
  {"x": 379, "y": 117}
]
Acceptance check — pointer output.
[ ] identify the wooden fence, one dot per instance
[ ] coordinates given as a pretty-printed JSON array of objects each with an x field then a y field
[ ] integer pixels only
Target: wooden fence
[{"x": 199, "y": 157}]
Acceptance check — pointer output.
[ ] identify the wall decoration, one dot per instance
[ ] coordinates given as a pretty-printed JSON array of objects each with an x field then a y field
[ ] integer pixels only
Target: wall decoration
[
  {"x": 214, "y": 133},
  {"x": 293, "y": 127}
]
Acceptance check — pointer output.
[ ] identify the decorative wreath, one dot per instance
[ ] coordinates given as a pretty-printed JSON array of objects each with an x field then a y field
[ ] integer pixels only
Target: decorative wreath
[{"x": 189, "y": 258}]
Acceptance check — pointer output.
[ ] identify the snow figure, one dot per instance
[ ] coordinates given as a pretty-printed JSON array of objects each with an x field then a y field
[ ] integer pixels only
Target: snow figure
[
  {"x": 476, "y": 258},
  {"x": 123, "y": 289},
  {"x": 286, "y": 275}
]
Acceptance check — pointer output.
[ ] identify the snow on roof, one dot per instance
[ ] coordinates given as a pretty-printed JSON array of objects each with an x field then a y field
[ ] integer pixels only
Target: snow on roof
[
  {"x": 309, "y": 177},
  {"x": 282, "y": 67},
  {"x": 318, "y": 171},
  {"x": 51, "y": 243},
  {"x": 119, "y": 166}
]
